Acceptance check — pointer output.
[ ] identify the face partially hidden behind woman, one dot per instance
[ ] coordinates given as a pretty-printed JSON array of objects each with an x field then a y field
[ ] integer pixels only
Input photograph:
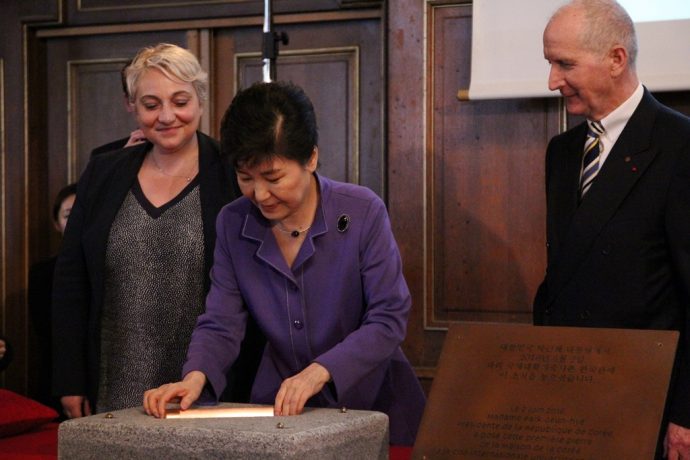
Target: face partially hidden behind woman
[{"x": 168, "y": 111}]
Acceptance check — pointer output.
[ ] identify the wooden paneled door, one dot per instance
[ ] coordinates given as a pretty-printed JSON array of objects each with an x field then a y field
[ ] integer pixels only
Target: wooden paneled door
[{"x": 340, "y": 67}]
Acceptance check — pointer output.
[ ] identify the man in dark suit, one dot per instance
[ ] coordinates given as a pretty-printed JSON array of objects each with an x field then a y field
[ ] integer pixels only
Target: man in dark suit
[
  {"x": 39, "y": 301},
  {"x": 618, "y": 197},
  {"x": 136, "y": 136}
]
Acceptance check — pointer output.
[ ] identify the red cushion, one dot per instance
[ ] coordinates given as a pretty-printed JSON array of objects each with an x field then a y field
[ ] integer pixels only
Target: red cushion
[
  {"x": 19, "y": 414},
  {"x": 400, "y": 453},
  {"x": 38, "y": 444}
]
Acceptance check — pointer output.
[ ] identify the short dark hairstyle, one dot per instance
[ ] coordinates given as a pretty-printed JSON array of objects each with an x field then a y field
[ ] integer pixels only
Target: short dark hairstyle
[
  {"x": 268, "y": 120},
  {"x": 66, "y": 191}
]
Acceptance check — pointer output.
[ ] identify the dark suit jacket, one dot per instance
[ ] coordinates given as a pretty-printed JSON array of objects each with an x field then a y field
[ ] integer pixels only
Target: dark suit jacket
[
  {"x": 39, "y": 299},
  {"x": 110, "y": 146},
  {"x": 621, "y": 259},
  {"x": 78, "y": 288}
]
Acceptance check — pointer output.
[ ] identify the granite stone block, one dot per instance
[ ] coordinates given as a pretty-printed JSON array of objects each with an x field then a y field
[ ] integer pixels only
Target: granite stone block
[{"x": 315, "y": 434}]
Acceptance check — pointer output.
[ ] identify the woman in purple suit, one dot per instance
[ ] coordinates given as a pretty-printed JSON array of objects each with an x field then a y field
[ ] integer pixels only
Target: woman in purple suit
[{"x": 314, "y": 262}]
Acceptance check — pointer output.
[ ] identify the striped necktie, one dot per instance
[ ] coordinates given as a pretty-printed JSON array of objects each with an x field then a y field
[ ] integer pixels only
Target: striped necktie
[{"x": 590, "y": 159}]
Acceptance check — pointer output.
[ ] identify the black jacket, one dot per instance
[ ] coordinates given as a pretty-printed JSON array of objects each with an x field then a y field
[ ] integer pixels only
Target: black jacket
[{"x": 78, "y": 282}]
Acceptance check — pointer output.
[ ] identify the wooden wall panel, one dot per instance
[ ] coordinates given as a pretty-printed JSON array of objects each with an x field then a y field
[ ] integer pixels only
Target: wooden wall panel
[
  {"x": 336, "y": 104},
  {"x": 486, "y": 216},
  {"x": 3, "y": 190},
  {"x": 468, "y": 178},
  {"x": 87, "y": 81},
  {"x": 23, "y": 172},
  {"x": 340, "y": 67},
  {"x": 406, "y": 169},
  {"x": 84, "y": 12}
]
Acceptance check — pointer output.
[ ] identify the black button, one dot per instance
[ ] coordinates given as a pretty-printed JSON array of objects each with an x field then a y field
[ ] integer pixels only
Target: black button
[
  {"x": 585, "y": 314},
  {"x": 547, "y": 311},
  {"x": 606, "y": 251},
  {"x": 298, "y": 324}
]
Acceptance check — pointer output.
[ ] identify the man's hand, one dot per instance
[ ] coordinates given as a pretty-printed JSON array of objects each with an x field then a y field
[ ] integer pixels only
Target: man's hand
[
  {"x": 75, "y": 406},
  {"x": 135, "y": 137},
  {"x": 677, "y": 442}
]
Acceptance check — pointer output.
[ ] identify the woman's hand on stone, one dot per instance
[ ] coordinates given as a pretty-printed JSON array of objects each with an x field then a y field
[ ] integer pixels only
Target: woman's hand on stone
[{"x": 186, "y": 392}]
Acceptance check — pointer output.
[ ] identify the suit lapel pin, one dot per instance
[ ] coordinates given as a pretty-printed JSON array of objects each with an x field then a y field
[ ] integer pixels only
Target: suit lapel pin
[{"x": 628, "y": 159}]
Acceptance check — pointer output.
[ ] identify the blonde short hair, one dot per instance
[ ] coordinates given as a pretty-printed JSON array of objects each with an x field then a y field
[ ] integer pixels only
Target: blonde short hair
[{"x": 174, "y": 62}]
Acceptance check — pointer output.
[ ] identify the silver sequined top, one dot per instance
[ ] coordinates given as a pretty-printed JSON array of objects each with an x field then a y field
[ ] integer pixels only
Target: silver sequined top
[{"x": 154, "y": 291}]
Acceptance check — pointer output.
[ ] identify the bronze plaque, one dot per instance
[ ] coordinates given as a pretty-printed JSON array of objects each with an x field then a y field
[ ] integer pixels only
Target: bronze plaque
[{"x": 536, "y": 393}]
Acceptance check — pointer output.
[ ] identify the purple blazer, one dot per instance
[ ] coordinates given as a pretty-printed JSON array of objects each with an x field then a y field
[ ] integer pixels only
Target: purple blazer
[{"x": 344, "y": 304}]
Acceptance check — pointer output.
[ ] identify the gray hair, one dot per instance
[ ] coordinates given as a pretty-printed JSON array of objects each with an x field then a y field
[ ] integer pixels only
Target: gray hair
[
  {"x": 174, "y": 62},
  {"x": 606, "y": 24}
]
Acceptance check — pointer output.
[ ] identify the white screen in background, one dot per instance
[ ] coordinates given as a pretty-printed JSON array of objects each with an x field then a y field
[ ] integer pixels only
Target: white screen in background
[
  {"x": 656, "y": 10},
  {"x": 508, "y": 59}
]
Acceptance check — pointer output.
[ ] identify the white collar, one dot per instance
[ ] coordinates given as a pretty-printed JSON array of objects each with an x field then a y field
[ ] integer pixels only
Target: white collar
[{"x": 615, "y": 121}]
